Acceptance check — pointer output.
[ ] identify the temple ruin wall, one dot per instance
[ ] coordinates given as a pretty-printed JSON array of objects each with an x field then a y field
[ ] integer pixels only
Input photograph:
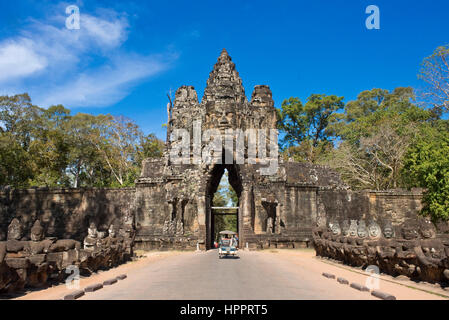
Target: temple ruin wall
[{"x": 65, "y": 213}]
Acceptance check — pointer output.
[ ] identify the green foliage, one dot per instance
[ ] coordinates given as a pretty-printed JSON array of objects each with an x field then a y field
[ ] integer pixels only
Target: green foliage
[
  {"x": 427, "y": 165},
  {"x": 53, "y": 148},
  {"x": 381, "y": 140},
  {"x": 374, "y": 133},
  {"x": 306, "y": 126}
]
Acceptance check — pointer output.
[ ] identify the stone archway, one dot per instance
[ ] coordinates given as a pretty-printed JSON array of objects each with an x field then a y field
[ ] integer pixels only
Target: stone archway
[{"x": 212, "y": 185}]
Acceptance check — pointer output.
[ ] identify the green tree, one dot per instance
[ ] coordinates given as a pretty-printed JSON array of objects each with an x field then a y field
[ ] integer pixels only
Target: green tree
[
  {"x": 18, "y": 120},
  {"x": 15, "y": 163},
  {"x": 427, "y": 166},
  {"x": 49, "y": 148},
  {"x": 374, "y": 132},
  {"x": 306, "y": 126},
  {"x": 53, "y": 148},
  {"x": 149, "y": 147}
]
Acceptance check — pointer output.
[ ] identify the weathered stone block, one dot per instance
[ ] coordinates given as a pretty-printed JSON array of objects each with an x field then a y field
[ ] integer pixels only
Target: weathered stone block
[
  {"x": 93, "y": 287},
  {"x": 37, "y": 259},
  {"x": 15, "y": 245},
  {"x": 18, "y": 263},
  {"x": 359, "y": 287},
  {"x": 74, "y": 295},
  {"x": 37, "y": 247},
  {"x": 69, "y": 257},
  {"x": 122, "y": 277},
  {"x": 2, "y": 251},
  {"x": 110, "y": 282},
  {"x": 383, "y": 295}
]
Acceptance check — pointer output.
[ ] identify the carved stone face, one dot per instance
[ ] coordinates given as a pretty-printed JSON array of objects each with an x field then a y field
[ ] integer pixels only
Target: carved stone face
[
  {"x": 101, "y": 234},
  {"x": 15, "y": 230},
  {"x": 112, "y": 232},
  {"x": 37, "y": 232},
  {"x": 345, "y": 228},
  {"x": 362, "y": 231},
  {"x": 335, "y": 228},
  {"x": 353, "y": 228},
  {"x": 409, "y": 233},
  {"x": 92, "y": 231},
  {"x": 388, "y": 230},
  {"x": 221, "y": 115},
  {"x": 374, "y": 230},
  {"x": 321, "y": 221},
  {"x": 427, "y": 229}
]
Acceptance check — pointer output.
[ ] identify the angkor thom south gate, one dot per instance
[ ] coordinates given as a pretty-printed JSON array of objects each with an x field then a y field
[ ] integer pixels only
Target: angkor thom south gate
[
  {"x": 170, "y": 207},
  {"x": 275, "y": 209}
]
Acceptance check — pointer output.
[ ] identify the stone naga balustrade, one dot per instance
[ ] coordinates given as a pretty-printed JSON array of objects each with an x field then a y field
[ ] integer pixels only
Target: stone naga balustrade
[
  {"x": 41, "y": 261},
  {"x": 412, "y": 249}
]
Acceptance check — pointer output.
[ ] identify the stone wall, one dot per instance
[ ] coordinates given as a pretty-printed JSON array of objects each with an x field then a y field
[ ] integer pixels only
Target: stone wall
[
  {"x": 47, "y": 260},
  {"x": 66, "y": 213},
  {"x": 413, "y": 249},
  {"x": 398, "y": 206}
]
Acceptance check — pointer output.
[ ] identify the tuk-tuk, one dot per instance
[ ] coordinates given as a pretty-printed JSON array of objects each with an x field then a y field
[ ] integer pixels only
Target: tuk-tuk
[{"x": 228, "y": 244}]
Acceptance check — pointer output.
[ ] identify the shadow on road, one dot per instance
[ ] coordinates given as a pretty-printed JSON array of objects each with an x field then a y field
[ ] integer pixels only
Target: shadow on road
[{"x": 230, "y": 257}]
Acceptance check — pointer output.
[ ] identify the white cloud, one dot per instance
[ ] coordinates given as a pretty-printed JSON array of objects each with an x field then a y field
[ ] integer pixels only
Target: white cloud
[
  {"x": 104, "y": 86},
  {"x": 105, "y": 32},
  {"x": 85, "y": 67},
  {"x": 19, "y": 59}
]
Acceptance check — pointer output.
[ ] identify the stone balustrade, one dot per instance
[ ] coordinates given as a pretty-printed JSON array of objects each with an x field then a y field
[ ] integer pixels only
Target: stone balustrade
[
  {"x": 413, "y": 249},
  {"x": 43, "y": 261}
]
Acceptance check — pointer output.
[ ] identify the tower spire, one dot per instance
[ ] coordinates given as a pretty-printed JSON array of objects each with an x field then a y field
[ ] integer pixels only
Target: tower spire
[
  {"x": 224, "y": 56},
  {"x": 224, "y": 80}
]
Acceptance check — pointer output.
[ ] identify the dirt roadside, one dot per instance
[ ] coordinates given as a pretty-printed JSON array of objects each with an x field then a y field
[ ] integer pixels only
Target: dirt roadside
[
  {"x": 59, "y": 291},
  {"x": 401, "y": 288}
]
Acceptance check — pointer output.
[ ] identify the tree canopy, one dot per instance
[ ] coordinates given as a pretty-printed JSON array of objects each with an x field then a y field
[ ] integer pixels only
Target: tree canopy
[
  {"x": 384, "y": 139},
  {"x": 50, "y": 147}
]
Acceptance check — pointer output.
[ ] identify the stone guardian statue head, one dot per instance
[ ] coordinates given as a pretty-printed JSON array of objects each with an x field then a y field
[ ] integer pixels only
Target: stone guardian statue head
[
  {"x": 37, "y": 232},
  {"x": 374, "y": 230},
  {"x": 15, "y": 230},
  {"x": 362, "y": 231}
]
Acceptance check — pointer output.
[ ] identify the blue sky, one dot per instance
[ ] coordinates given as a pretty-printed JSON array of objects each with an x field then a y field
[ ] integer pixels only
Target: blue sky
[{"x": 127, "y": 55}]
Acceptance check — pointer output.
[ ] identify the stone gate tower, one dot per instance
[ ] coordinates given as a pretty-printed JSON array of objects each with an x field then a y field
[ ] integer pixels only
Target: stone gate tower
[{"x": 174, "y": 194}]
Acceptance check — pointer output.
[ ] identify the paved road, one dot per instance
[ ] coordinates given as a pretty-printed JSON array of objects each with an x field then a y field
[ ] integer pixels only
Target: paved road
[{"x": 203, "y": 276}]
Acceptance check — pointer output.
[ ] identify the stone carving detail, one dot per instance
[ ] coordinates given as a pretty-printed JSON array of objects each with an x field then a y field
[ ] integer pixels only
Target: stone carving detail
[
  {"x": 31, "y": 263},
  {"x": 321, "y": 221},
  {"x": 90, "y": 242},
  {"x": 335, "y": 228},
  {"x": 426, "y": 228},
  {"x": 353, "y": 228},
  {"x": 37, "y": 232},
  {"x": 424, "y": 259},
  {"x": 362, "y": 231},
  {"x": 345, "y": 228},
  {"x": 374, "y": 230},
  {"x": 179, "y": 228},
  {"x": 409, "y": 231},
  {"x": 166, "y": 227},
  {"x": 112, "y": 231},
  {"x": 269, "y": 229},
  {"x": 15, "y": 230},
  {"x": 389, "y": 230},
  {"x": 172, "y": 227}
]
